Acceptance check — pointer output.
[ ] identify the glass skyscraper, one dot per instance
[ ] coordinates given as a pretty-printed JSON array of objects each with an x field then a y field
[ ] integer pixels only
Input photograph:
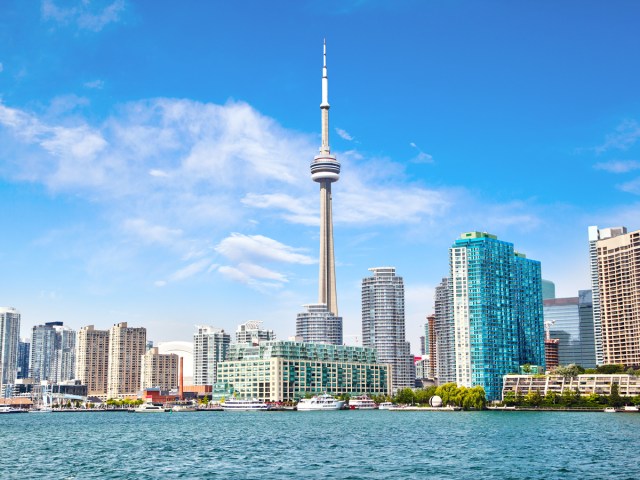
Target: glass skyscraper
[{"x": 496, "y": 311}]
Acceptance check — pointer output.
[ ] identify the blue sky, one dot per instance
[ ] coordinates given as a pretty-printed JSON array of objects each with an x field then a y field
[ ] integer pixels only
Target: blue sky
[{"x": 154, "y": 158}]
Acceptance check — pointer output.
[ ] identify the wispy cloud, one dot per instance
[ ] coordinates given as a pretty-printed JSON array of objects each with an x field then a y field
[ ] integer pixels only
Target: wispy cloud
[
  {"x": 94, "y": 84},
  {"x": 421, "y": 157},
  {"x": 86, "y": 15},
  {"x": 624, "y": 137},
  {"x": 344, "y": 134},
  {"x": 632, "y": 186},
  {"x": 1, "y": 67},
  {"x": 252, "y": 248},
  {"x": 618, "y": 166}
]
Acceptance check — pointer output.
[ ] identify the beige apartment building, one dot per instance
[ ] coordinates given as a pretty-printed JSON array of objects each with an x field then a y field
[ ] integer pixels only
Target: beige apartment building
[
  {"x": 159, "y": 370},
  {"x": 127, "y": 345},
  {"x": 92, "y": 360},
  {"x": 619, "y": 282}
]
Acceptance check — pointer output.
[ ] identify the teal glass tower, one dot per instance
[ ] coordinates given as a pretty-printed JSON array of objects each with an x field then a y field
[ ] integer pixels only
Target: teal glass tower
[{"x": 496, "y": 311}]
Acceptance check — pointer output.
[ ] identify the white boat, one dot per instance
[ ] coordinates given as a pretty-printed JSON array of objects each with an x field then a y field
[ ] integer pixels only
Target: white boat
[
  {"x": 41, "y": 410},
  {"x": 362, "y": 402},
  {"x": 320, "y": 402},
  {"x": 385, "y": 406},
  {"x": 148, "y": 407},
  {"x": 10, "y": 409},
  {"x": 184, "y": 407},
  {"x": 610, "y": 410},
  {"x": 243, "y": 405},
  {"x": 631, "y": 408}
]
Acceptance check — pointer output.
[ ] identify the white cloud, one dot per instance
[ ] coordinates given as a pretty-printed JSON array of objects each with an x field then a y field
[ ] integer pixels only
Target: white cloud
[
  {"x": 149, "y": 233},
  {"x": 191, "y": 270},
  {"x": 421, "y": 157},
  {"x": 624, "y": 137},
  {"x": 252, "y": 248},
  {"x": 1, "y": 67},
  {"x": 95, "y": 84},
  {"x": 344, "y": 134},
  {"x": 618, "y": 166},
  {"x": 155, "y": 172},
  {"x": 85, "y": 15},
  {"x": 632, "y": 186}
]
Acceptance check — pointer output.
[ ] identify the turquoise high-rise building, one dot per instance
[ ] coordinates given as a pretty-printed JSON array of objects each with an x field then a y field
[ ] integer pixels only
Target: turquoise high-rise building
[{"x": 496, "y": 311}]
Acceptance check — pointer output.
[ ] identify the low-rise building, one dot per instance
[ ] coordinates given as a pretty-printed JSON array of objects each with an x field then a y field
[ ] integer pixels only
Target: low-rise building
[
  {"x": 285, "y": 371},
  {"x": 586, "y": 384}
]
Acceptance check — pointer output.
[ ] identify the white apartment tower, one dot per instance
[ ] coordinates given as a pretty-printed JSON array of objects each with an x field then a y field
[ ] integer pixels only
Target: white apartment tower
[
  {"x": 250, "y": 332},
  {"x": 92, "y": 360},
  {"x": 383, "y": 324},
  {"x": 126, "y": 347},
  {"x": 596, "y": 234},
  {"x": 210, "y": 346},
  {"x": 159, "y": 370},
  {"x": 9, "y": 338}
]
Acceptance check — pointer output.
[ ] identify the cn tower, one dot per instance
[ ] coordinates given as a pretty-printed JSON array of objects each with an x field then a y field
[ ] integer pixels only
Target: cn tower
[{"x": 325, "y": 170}]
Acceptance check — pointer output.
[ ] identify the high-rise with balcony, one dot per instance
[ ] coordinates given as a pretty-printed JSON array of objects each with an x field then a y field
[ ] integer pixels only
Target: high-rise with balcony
[
  {"x": 126, "y": 347},
  {"x": 9, "y": 338},
  {"x": 595, "y": 235},
  {"x": 251, "y": 332},
  {"x": 53, "y": 353},
  {"x": 24, "y": 354},
  {"x": 618, "y": 270},
  {"x": 92, "y": 360},
  {"x": 445, "y": 333},
  {"x": 497, "y": 311},
  {"x": 383, "y": 324},
  {"x": 159, "y": 370},
  {"x": 210, "y": 346}
]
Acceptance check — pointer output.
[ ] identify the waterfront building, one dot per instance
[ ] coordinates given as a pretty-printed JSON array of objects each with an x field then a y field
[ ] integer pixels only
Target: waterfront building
[
  {"x": 383, "y": 324},
  {"x": 319, "y": 325},
  {"x": 24, "y": 354},
  {"x": 159, "y": 370},
  {"x": 92, "y": 360},
  {"x": 595, "y": 235},
  {"x": 53, "y": 355},
  {"x": 586, "y": 384},
  {"x": 445, "y": 333},
  {"x": 618, "y": 270},
  {"x": 570, "y": 321},
  {"x": 210, "y": 346},
  {"x": 9, "y": 338},
  {"x": 126, "y": 347},
  {"x": 285, "y": 371},
  {"x": 250, "y": 332},
  {"x": 64, "y": 362},
  {"x": 430, "y": 343},
  {"x": 497, "y": 311},
  {"x": 548, "y": 289},
  {"x": 184, "y": 350}
]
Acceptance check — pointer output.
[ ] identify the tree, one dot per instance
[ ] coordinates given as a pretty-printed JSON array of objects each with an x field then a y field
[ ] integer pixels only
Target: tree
[
  {"x": 405, "y": 396},
  {"x": 204, "y": 400},
  {"x": 447, "y": 392},
  {"x": 615, "y": 400},
  {"x": 533, "y": 399},
  {"x": 610, "y": 369},
  {"x": 526, "y": 368}
]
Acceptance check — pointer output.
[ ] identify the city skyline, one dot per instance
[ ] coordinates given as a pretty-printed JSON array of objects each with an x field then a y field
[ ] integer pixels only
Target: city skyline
[{"x": 154, "y": 170}]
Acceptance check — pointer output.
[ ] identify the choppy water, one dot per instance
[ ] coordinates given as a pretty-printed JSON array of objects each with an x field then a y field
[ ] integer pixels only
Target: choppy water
[{"x": 314, "y": 445}]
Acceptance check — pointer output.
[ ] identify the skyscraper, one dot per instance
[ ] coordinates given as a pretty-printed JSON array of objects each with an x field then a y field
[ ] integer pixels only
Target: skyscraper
[
  {"x": 159, "y": 370},
  {"x": 126, "y": 347},
  {"x": 92, "y": 360},
  {"x": 445, "y": 333},
  {"x": 251, "y": 333},
  {"x": 321, "y": 323},
  {"x": 497, "y": 311},
  {"x": 210, "y": 346},
  {"x": 383, "y": 325},
  {"x": 596, "y": 234},
  {"x": 9, "y": 338},
  {"x": 24, "y": 354},
  {"x": 618, "y": 267},
  {"x": 52, "y": 353}
]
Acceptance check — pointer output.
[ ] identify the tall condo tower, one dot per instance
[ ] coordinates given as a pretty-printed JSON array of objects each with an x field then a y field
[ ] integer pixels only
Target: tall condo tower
[{"x": 325, "y": 170}]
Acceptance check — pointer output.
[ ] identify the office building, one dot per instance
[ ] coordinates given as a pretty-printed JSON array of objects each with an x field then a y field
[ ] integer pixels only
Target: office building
[
  {"x": 92, "y": 360},
  {"x": 383, "y": 324},
  {"x": 210, "y": 346},
  {"x": 319, "y": 325},
  {"x": 570, "y": 321},
  {"x": 250, "y": 332},
  {"x": 9, "y": 338},
  {"x": 285, "y": 371},
  {"x": 445, "y": 333},
  {"x": 548, "y": 289},
  {"x": 497, "y": 311},
  {"x": 618, "y": 268},
  {"x": 24, "y": 354},
  {"x": 159, "y": 370},
  {"x": 126, "y": 347}
]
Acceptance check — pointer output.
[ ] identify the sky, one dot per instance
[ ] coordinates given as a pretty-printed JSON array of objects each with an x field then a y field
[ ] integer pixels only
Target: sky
[{"x": 154, "y": 156}]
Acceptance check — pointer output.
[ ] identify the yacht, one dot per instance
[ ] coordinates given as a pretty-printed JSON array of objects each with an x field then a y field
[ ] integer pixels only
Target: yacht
[
  {"x": 148, "y": 407},
  {"x": 385, "y": 406},
  {"x": 184, "y": 407},
  {"x": 630, "y": 408},
  {"x": 610, "y": 410},
  {"x": 320, "y": 402},
  {"x": 10, "y": 409},
  {"x": 243, "y": 405},
  {"x": 362, "y": 402}
]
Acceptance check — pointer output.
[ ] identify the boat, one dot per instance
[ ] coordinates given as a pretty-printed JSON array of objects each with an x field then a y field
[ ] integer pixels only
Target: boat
[
  {"x": 184, "y": 407},
  {"x": 148, "y": 407},
  {"x": 362, "y": 402},
  {"x": 631, "y": 408},
  {"x": 320, "y": 402},
  {"x": 41, "y": 410},
  {"x": 385, "y": 406},
  {"x": 10, "y": 409},
  {"x": 243, "y": 405},
  {"x": 610, "y": 410}
]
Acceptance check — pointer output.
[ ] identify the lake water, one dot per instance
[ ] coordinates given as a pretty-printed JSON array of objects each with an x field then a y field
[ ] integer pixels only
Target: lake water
[{"x": 315, "y": 445}]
